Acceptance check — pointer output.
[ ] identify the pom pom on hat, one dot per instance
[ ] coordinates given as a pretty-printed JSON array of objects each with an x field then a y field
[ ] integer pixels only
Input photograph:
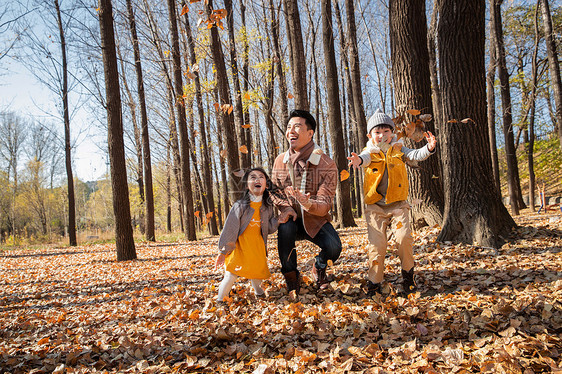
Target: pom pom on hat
[{"x": 379, "y": 118}]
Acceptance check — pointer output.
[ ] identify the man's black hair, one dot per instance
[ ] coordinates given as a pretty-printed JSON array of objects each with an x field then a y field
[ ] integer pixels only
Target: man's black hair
[{"x": 309, "y": 118}]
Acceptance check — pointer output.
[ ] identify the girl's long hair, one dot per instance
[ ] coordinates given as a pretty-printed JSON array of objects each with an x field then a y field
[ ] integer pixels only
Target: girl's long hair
[{"x": 269, "y": 187}]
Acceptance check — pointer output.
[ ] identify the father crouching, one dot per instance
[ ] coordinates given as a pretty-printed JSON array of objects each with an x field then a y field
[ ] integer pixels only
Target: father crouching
[{"x": 306, "y": 178}]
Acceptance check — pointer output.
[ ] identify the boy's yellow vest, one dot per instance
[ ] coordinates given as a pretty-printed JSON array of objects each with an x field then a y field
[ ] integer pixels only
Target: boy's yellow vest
[{"x": 397, "y": 177}]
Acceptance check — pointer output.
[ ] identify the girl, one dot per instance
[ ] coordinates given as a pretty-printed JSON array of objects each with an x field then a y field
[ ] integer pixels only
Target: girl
[{"x": 242, "y": 244}]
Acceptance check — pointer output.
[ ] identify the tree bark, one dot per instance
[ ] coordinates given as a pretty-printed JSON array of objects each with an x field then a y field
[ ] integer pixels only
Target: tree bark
[
  {"x": 491, "y": 98},
  {"x": 147, "y": 163},
  {"x": 344, "y": 212},
  {"x": 433, "y": 73},
  {"x": 298, "y": 66},
  {"x": 224, "y": 98},
  {"x": 554, "y": 65},
  {"x": 182, "y": 125},
  {"x": 510, "y": 152},
  {"x": 412, "y": 82},
  {"x": 474, "y": 212},
  {"x": 124, "y": 242},
  {"x": 67, "y": 147}
]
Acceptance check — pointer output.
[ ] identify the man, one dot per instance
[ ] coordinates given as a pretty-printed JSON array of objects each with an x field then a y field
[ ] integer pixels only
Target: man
[{"x": 307, "y": 179}]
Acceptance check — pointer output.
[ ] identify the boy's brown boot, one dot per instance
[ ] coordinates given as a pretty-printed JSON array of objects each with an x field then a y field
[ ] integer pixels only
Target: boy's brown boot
[
  {"x": 408, "y": 282},
  {"x": 293, "y": 281}
]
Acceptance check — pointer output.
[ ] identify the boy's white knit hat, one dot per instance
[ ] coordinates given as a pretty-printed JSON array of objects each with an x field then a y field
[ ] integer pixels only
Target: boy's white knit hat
[{"x": 379, "y": 118}]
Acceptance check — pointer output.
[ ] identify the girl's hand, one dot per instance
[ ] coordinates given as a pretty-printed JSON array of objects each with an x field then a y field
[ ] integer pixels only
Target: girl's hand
[
  {"x": 431, "y": 140},
  {"x": 219, "y": 261},
  {"x": 354, "y": 160}
]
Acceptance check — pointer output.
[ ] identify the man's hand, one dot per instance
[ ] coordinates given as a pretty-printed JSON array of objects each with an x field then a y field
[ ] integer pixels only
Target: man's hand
[
  {"x": 302, "y": 198},
  {"x": 286, "y": 214},
  {"x": 431, "y": 140},
  {"x": 354, "y": 160},
  {"x": 219, "y": 261}
]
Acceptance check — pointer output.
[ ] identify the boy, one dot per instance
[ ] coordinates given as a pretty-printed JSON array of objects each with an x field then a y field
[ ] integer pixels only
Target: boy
[{"x": 386, "y": 190}]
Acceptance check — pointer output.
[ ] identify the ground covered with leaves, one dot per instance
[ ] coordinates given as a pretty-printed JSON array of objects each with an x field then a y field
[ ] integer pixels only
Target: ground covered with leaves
[{"x": 77, "y": 310}]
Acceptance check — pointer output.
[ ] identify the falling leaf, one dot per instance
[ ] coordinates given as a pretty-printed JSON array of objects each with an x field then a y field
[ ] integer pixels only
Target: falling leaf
[
  {"x": 344, "y": 174},
  {"x": 243, "y": 149},
  {"x": 223, "y": 153},
  {"x": 189, "y": 75},
  {"x": 217, "y": 106},
  {"x": 197, "y": 213},
  {"x": 246, "y": 126},
  {"x": 290, "y": 96},
  {"x": 434, "y": 177},
  {"x": 426, "y": 117},
  {"x": 209, "y": 215},
  {"x": 399, "y": 225},
  {"x": 452, "y": 121},
  {"x": 184, "y": 10},
  {"x": 467, "y": 120},
  {"x": 239, "y": 173},
  {"x": 247, "y": 96},
  {"x": 413, "y": 112}
]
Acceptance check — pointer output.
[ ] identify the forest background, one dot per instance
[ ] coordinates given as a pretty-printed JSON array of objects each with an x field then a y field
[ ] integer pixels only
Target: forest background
[{"x": 216, "y": 91}]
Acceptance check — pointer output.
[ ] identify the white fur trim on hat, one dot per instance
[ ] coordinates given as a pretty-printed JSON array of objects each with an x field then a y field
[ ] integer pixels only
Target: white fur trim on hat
[{"x": 379, "y": 118}]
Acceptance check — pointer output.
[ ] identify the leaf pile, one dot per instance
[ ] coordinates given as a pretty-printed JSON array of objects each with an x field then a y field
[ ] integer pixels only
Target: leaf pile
[{"x": 77, "y": 310}]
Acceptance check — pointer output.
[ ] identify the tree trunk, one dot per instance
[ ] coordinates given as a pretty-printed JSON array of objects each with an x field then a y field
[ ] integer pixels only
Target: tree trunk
[
  {"x": 531, "y": 145},
  {"x": 474, "y": 212},
  {"x": 246, "y": 132},
  {"x": 355, "y": 70},
  {"x": 345, "y": 214},
  {"x": 410, "y": 67},
  {"x": 238, "y": 107},
  {"x": 491, "y": 98},
  {"x": 554, "y": 65},
  {"x": 182, "y": 125},
  {"x": 67, "y": 147},
  {"x": 298, "y": 66},
  {"x": 433, "y": 73},
  {"x": 207, "y": 177},
  {"x": 137, "y": 141},
  {"x": 510, "y": 152},
  {"x": 224, "y": 98},
  {"x": 284, "y": 111},
  {"x": 147, "y": 163},
  {"x": 124, "y": 242}
]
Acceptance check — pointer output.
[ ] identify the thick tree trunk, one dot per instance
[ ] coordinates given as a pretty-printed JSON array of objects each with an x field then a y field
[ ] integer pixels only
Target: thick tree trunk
[
  {"x": 554, "y": 65},
  {"x": 491, "y": 98},
  {"x": 410, "y": 68},
  {"x": 182, "y": 125},
  {"x": 345, "y": 214},
  {"x": 124, "y": 242},
  {"x": 147, "y": 163},
  {"x": 510, "y": 152},
  {"x": 67, "y": 147},
  {"x": 298, "y": 66},
  {"x": 474, "y": 212},
  {"x": 205, "y": 151}
]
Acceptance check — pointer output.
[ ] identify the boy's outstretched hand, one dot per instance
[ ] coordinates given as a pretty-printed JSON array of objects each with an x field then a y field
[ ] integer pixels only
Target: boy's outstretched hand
[
  {"x": 431, "y": 140},
  {"x": 354, "y": 160}
]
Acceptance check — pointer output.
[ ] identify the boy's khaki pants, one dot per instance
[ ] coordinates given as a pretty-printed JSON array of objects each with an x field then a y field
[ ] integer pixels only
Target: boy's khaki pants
[{"x": 379, "y": 219}]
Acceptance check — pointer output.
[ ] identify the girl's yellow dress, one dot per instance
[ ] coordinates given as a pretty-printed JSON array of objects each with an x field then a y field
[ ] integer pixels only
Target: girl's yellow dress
[{"x": 249, "y": 259}]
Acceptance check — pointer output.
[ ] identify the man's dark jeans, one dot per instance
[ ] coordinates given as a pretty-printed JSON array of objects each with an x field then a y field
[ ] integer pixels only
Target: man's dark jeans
[{"x": 288, "y": 233}]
